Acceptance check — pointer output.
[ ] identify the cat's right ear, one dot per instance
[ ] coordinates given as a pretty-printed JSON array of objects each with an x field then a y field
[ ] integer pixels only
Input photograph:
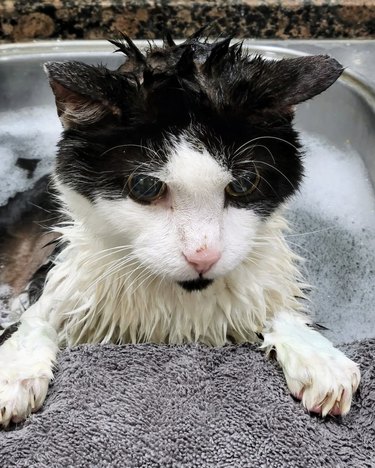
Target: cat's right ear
[{"x": 85, "y": 94}]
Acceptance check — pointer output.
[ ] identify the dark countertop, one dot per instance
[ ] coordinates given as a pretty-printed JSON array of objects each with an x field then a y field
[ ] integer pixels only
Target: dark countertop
[{"x": 22, "y": 20}]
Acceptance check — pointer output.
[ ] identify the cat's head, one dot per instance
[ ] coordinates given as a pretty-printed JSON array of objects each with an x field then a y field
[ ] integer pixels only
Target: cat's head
[{"x": 184, "y": 151}]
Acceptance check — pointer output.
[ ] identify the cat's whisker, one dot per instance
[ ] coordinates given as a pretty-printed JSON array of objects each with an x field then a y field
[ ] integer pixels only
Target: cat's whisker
[
  {"x": 308, "y": 252},
  {"x": 147, "y": 167},
  {"x": 254, "y": 161},
  {"x": 113, "y": 251},
  {"x": 270, "y": 137},
  {"x": 237, "y": 151},
  {"x": 106, "y": 275},
  {"x": 251, "y": 259},
  {"x": 88, "y": 169},
  {"x": 117, "y": 247},
  {"x": 269, "y": 185},
  {"x": 277, "y": 170},
  {"x": 141, "y": 282},
  {"x": 162, "y": 278},
  {"x": 235, "y": 159},
  {"x": 264, "y": 241},
  {"x": 246, "y": 173},
  {"x": 117, "y": 257},
  {"x": 316, "y": 231},
  {"x": 140, "y": 275},
  {"x": 84, "y": 309},
  {"x": 127, "y": 145},
  {"x": 117, "y": 266},
  {"x": 158, "y": 154},
  {"x": 151, "y": 170},
  {"x": 247, "y": 161}
]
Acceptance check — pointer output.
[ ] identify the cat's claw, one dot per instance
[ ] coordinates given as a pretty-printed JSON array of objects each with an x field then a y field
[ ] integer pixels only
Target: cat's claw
[
  {"x": 325, "y": 383},
  {"x": 315, "y": 371},
  {"x": 20, "y": 398}
]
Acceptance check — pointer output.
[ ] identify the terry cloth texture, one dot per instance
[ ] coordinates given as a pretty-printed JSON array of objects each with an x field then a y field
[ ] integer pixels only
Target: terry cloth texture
[{"x": 187, "y": 406}]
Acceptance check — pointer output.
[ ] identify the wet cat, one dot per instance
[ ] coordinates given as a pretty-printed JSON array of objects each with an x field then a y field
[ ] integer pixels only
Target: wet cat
[{"x": 172, "y": 173}]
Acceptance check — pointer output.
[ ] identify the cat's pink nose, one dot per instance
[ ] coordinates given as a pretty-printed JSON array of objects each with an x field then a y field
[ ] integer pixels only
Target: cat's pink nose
[{"x": 203, "y": 259}]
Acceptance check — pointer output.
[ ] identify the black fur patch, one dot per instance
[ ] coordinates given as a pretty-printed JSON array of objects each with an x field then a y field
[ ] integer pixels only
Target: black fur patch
[
  {"x": 239, "y": 107},
  {"x": 8, "y": 332},
  {"x": 196, "y": 285}
]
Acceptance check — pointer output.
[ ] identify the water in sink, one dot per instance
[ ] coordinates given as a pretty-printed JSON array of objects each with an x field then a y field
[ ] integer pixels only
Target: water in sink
[{"x": 333, "y": 216}]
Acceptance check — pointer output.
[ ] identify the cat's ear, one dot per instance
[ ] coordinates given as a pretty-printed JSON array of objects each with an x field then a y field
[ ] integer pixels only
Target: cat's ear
[
  {"x": 279, "y": 85},
  {"x": 299, "y": 79},
  {"x": 84, "y": 94}
]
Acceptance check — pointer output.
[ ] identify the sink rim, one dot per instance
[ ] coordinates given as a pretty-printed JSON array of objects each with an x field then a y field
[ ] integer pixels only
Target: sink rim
[{"x": 43, "y": 49}]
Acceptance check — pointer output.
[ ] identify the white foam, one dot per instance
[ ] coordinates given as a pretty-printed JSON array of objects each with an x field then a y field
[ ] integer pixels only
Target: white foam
[
  {"x": 333, "y": 219},
  {"x": 29, "y": 133},
  {"x": 337, "y": 185}
]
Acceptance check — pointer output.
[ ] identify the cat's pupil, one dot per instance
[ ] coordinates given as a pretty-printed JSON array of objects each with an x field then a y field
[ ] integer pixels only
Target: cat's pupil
[
  {"x": 143, "y": 187},
  {"x": 240, "y": 185}
]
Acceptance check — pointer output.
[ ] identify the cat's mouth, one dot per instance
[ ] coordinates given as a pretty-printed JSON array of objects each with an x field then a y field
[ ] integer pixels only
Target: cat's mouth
[{"x": 197, "y": 284}]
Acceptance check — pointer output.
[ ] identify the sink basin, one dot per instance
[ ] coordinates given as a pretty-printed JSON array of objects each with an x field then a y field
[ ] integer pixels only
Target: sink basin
[{"x": 333, "y": 217}]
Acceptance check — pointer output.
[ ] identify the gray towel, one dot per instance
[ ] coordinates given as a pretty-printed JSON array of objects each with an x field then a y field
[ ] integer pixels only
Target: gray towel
[{"x": 187, "y": 406}]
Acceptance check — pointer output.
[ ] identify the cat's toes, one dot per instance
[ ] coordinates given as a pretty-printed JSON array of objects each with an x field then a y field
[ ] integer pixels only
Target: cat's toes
[
  {"x": 19, "y": 398},
  {"x": 324, "y": 382},
  {"x": 335, "y": 401}
]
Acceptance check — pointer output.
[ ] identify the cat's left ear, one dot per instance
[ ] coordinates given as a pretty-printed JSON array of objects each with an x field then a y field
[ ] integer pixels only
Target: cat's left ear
[
  {"x": 277, "y": 86},
  {"x": 86, "y": 94},
  {"x": 298, "y": 79}
]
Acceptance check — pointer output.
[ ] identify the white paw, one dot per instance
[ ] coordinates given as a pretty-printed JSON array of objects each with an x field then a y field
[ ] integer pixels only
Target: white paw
[
  {"x": 19, "y": 398},
  {"x": 316, "y": 372},
  {"x": 26, "y": 362},
  {"x": 324, "y": 379}
]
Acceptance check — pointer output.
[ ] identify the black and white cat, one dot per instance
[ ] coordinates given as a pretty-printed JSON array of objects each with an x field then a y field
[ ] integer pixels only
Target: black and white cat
[{"x": 173, "y": 172}]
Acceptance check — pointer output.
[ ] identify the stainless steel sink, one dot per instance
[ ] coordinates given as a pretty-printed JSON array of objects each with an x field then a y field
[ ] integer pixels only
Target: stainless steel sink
[{"x": 341, "y": 261}]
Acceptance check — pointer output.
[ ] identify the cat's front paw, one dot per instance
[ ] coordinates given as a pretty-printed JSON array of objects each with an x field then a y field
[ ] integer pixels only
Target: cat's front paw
[
  {"x": 324, "y": 379},
  {"x": 19, "y": 398},
  {"x": 24, "y": 378},
  {"x": 27, "y": 357}
]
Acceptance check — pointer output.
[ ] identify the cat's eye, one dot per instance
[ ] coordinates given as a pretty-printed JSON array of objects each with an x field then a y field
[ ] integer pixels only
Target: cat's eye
[
  {"x": 145, "y": 188},
  {"x": 243, "y": 186}
]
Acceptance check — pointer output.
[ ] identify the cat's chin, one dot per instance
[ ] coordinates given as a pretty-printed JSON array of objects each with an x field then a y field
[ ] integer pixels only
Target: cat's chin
[{"x": 197, "y": 284}]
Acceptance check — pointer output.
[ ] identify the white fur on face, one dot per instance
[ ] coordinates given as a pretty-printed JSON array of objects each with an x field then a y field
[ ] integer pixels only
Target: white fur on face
[{"x": 190, "y": 218}]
